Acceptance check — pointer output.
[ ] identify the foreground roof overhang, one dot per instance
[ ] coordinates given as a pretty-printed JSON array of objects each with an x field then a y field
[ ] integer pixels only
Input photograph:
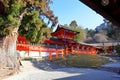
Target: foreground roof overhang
[{"x": 109, "y": 9}]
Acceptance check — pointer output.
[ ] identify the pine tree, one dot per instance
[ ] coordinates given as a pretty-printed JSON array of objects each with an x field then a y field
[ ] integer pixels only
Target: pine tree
[{"x": 27, "y": 18}]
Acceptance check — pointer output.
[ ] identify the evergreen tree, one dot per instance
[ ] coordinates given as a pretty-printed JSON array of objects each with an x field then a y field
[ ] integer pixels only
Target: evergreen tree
[
  {"x": 79, "y": 37},
  {"x": 74, "y": 26},
  {"x": 73, "y": 23},
  {"x": 27, "y": 18}
]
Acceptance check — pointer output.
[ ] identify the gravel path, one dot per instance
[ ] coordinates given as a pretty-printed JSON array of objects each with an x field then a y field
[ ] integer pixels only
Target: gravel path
[
  {"x": 47, "y": 71},
  {"x": 113, "y": 66},
  {"x": 46, "y": 65}
]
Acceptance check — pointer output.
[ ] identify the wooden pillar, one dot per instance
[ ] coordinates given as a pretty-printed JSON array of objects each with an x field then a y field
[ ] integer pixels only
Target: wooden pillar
[
  {"x": 87, "y": 50},
  {"x": 72, "y": 49},
  {"x": 62, "y": 52},
  {"x": 28, "y": 50},
  {"x": 77, "y": 49},
  {"x": 94, "y": 51},
  {"x": 90, "y": 50},
  {"x": 39, "y": 51},
  {"x": 56, "y": 52},
  {"x": 50, "y": 55},
  {"x": 66, "y": 51},
  {"x": 28, "y": 53},
  {"x": 80, "y": 48},
  {"x": 83, "y": 49}
]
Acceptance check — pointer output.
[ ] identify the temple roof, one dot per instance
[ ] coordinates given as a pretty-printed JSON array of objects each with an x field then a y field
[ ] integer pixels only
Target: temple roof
[
  {"x": 64, "y": 30},
  {"x": 109, "y": 9}
]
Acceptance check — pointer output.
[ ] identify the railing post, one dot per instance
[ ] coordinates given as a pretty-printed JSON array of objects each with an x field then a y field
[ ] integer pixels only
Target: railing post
[
  {"x": 72, "y": 49},
  {"x": 28, "y": 50},
  {"x": 56, "y": 54},
  {"x": 83, "y": 50},
  {"x": 66, "y": 50},
  {"x": 50, "y": 56},
  {"x": 91, "y": 50},
  {"x": 62, "y": 53},
  {"x": 87, "y": 50},
  {"x": 78, "y": 49},
  {"x": 56, "y": 51}
]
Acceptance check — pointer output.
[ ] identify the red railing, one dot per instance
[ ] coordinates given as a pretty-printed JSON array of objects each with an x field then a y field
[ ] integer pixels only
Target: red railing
[
  {"x": 83, "y": 50},
  {"x": 28, "y": 47}
]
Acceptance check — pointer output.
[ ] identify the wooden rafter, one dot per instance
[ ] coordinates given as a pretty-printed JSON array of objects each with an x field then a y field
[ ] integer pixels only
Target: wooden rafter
[{"x": 110, "y": 11}]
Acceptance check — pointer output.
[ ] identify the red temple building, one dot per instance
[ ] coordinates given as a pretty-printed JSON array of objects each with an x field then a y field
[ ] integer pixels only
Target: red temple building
[{"x": 60, "y": 44}]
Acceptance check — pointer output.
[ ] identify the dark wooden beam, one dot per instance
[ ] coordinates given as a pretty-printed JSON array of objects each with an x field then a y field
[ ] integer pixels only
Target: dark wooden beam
[{"x": 106, "y": 11}]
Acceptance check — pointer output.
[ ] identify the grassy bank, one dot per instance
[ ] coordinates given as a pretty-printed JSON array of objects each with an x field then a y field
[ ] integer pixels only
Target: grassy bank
[{"x": 91, "y": 61}]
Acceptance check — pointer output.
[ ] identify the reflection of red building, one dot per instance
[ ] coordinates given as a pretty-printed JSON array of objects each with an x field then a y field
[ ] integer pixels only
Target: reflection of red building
[{"x": 61, "y": 43}]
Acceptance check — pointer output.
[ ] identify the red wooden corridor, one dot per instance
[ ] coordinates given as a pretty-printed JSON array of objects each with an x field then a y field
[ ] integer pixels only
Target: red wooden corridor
[{"x": 62, "y": 37}]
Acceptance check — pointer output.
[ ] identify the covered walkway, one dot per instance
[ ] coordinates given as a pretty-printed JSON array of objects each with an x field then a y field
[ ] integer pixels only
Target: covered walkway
[{"x": 61, "y": 44}]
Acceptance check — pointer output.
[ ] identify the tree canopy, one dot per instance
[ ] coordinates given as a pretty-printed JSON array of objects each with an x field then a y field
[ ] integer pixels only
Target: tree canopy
[
  {"x": 28, "y": 17},
  {"x": 73, "y": 23},
  {"x": 79, "y": 37},
  {"x": 74, "y": 26}
]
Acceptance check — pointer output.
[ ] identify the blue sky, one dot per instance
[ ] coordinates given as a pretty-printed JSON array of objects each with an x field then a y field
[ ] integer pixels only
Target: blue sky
[{"x": 68, "y": 10}]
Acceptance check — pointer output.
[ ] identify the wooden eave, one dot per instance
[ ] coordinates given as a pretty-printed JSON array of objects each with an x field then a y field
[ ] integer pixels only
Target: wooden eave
[
  {"x": 110, "y": 12},
  {"x": 64, "y": 31},
  {"x": 53, "y": 42}
]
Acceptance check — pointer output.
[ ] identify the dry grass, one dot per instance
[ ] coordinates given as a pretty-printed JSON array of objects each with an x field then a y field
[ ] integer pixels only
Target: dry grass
[{"x": 91, "y": 61}]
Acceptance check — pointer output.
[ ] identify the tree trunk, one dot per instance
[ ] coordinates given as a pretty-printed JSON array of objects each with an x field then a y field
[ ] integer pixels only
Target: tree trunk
[{"x": 8, "y": 53}]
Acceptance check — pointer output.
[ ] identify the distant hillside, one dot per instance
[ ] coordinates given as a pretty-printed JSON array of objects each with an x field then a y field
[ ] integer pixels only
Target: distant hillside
[
  {"x": 104, "y": 26},
  {"x": 104, "y": 32}
]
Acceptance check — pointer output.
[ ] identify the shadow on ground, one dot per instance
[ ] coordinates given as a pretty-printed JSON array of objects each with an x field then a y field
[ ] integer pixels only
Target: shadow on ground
[
  {"x": 55, "y": 72},
  {"x": 46, "y": 65}
]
